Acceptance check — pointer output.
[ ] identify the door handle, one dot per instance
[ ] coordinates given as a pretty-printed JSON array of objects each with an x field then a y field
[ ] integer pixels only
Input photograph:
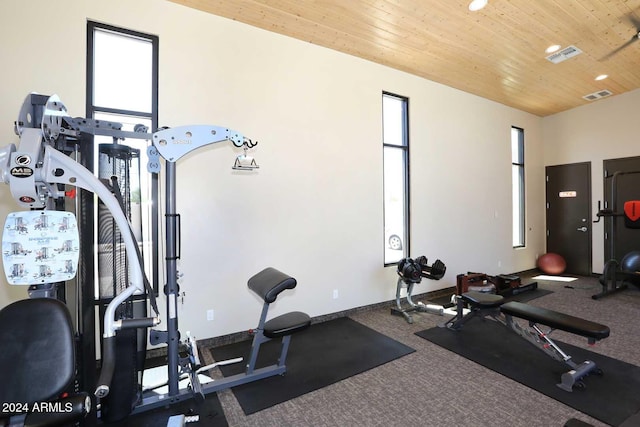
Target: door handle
[{"x": 583, "y": 229}]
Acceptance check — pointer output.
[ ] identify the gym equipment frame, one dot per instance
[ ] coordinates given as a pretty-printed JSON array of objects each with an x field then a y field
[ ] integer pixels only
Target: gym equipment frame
[
  {"x": 38, "y": 168},
  {"x": 613, "y": 277},
  {"x": 491, "y": 305}
]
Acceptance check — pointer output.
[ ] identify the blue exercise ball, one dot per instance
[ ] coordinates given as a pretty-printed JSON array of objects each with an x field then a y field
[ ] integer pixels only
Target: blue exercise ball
[{"x": 631, "y": 262}]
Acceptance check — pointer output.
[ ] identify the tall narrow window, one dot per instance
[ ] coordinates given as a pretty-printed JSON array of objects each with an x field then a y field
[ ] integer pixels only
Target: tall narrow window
[
  {"x": 395, "y": 125},
  {"x": 517, "y": 182},
  {"x": 122, "y": 86}
]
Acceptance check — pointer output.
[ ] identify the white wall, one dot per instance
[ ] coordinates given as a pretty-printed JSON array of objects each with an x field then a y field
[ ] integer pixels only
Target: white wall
[
  {"x": 314, "y": 209},
  {"x": 605, "y": 129}
]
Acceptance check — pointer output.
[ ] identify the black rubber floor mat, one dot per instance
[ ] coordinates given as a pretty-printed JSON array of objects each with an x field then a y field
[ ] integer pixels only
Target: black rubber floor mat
[
  {"x": 611, "y": 398},
  {"x": 319, "y": 356}
]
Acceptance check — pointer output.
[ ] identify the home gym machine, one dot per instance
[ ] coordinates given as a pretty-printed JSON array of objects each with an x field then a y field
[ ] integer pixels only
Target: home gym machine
[
  {"x": 482, "y": 305},
  {"x": 410, "y": 272},
  {"x": 617, "y": 274},
  {"x": 37, "y": 172}
]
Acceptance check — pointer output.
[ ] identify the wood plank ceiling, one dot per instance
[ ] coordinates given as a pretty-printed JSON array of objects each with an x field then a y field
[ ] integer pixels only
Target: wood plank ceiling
[{"x": 497, "y": 53}]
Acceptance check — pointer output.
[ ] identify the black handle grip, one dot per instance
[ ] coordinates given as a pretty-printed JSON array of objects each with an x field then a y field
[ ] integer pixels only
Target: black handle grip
[
  {"x": 108, "y": 366},
  {"x": 144, "y": 322},
  {"x": 179, "y": 235}
]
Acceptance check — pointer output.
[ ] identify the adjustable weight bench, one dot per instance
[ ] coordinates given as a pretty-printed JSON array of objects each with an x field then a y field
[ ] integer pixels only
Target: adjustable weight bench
[{"x": 490, "y": 305}]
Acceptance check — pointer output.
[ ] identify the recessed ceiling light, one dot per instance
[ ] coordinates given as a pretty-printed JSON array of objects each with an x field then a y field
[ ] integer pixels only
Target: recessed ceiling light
[
  {"x": 476, "y": 5},
  {"x": 553, "y": 48},
  {"x": 602, "y": 77}
]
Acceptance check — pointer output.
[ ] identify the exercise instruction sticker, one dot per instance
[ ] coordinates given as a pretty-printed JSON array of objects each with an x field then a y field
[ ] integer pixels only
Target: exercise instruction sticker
[{"x": 40, "y": 247}]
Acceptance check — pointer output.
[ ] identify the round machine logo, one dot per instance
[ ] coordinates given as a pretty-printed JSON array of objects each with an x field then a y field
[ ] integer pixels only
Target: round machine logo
[
  {"x": 21, "y": 172},
  {"x": 27, "y": 199},
  {"x": 23, "y": 160}
]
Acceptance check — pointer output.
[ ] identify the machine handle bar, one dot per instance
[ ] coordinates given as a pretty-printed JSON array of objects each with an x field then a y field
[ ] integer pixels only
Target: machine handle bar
[{"x": 108, "y": 366}]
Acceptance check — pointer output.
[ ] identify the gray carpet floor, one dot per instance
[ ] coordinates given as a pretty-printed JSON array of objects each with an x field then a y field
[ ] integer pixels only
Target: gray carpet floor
[{"x": 434, "y": 387}]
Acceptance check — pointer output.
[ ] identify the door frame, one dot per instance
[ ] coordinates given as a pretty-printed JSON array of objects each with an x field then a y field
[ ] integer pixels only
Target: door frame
[{"x": 588, "y": 215}]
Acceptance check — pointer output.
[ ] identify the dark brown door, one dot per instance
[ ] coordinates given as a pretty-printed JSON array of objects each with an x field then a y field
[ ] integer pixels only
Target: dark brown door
[
  {"x": 624, "y": 175},
  {"x": 569, "y": 215}
]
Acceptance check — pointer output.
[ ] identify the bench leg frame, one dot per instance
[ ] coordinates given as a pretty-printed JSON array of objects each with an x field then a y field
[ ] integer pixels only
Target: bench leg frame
[
  {"x": 542, "y": 341},
  {"x": 461, "y": 318}
]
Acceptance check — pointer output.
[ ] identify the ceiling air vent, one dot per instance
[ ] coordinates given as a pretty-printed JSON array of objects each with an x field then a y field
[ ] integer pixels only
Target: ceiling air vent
[
  {"x": 597, "y": 95},
  {"x": 564, "y": 54}
]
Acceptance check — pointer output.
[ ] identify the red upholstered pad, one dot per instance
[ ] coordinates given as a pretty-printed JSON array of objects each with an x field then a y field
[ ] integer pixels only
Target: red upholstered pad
[
  {"x": 632, "y": 213},
  {"x": 556, "y": 320}
]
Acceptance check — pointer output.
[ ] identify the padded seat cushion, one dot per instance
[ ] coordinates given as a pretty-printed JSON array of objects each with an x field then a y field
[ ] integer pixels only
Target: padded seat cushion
[
  {"x": 286, "y": 324},
  {"x": 556, "y": 320},
  {"x": 38, "y": 355}
]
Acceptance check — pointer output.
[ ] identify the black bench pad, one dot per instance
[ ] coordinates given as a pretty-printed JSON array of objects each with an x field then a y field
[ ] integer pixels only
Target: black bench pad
[
  {"x": 270, "y": 282},
  {"x": 482, "y": 299},
  {"x": 556, "y": 320},
  {"x": 286, "y": 324}
]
